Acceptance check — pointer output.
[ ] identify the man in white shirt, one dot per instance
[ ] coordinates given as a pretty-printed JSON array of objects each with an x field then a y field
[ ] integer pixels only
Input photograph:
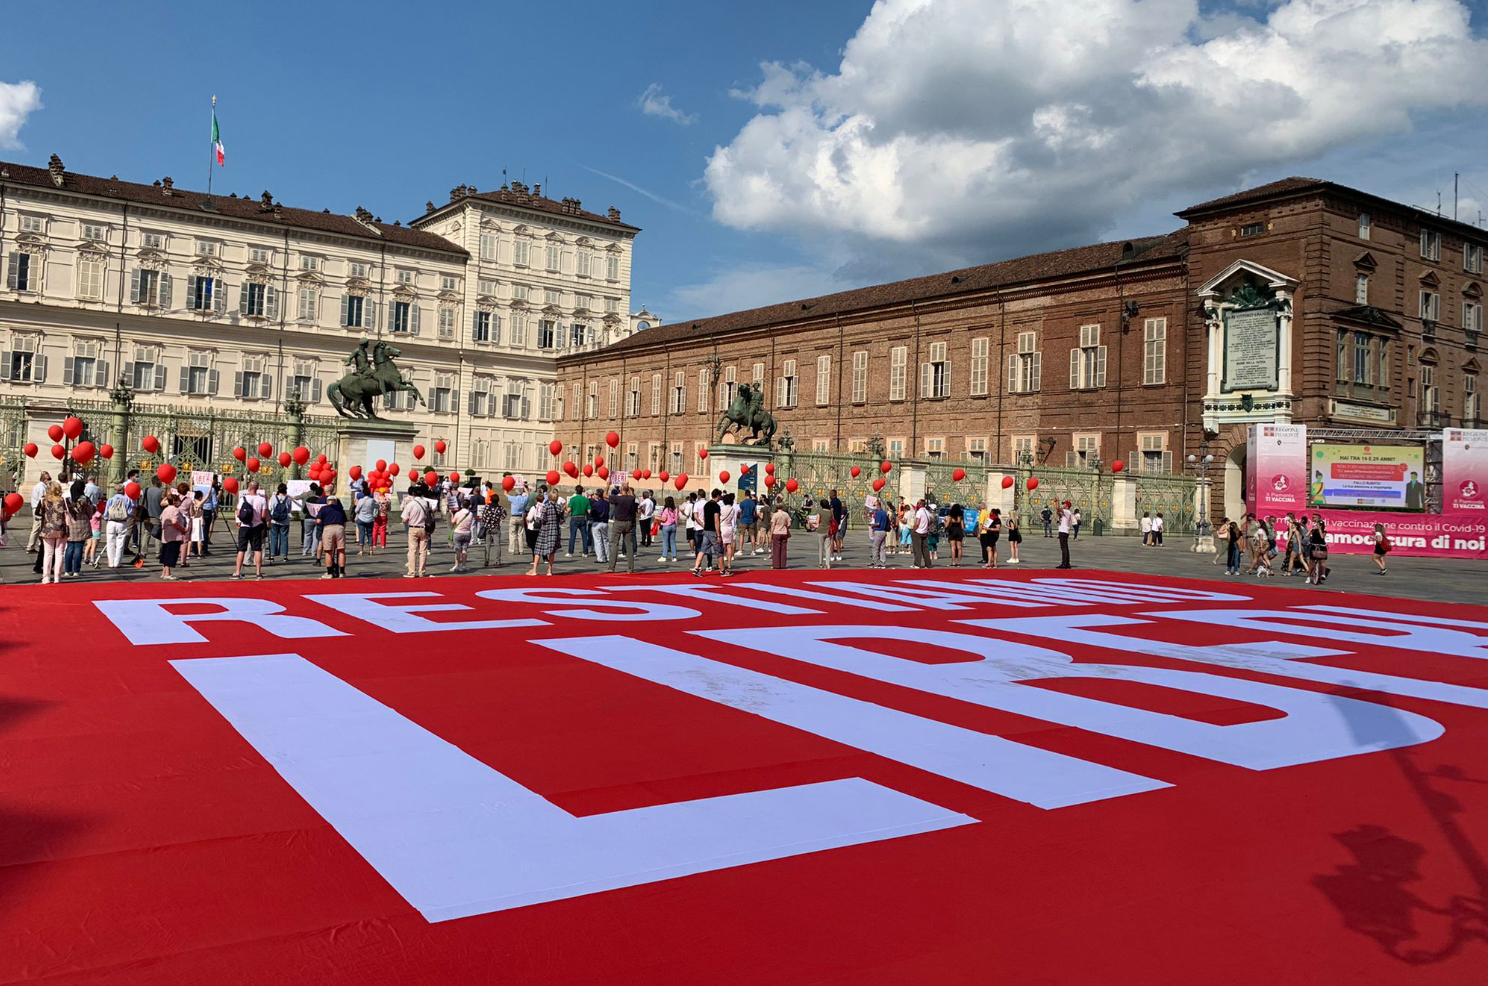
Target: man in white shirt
[
  {"x": 252, "y": 515},
  {"x": 647, "y": 508},
  {"x": 1066, "y": 521},
  {"x": 1146, "y": 528},
  {"x": 33, "y": 543},
  {"x": 920, "y": 536},
  {"x": 1157, "y": 530}
]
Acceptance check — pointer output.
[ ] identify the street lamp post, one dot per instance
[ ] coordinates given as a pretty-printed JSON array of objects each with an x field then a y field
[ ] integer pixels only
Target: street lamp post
[{"x": 1200, "y": 463}]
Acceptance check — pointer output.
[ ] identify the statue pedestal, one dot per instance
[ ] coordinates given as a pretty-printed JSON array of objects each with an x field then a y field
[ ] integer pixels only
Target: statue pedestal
[{"x": 362, "y": 443}]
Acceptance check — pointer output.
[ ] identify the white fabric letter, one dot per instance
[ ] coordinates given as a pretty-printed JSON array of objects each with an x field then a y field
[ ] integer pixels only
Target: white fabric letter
[{"x": 147, "y": 621}]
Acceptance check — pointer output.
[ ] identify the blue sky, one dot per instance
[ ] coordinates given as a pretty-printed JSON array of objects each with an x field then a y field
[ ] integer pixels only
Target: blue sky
[{"x": 789, "y": 148}]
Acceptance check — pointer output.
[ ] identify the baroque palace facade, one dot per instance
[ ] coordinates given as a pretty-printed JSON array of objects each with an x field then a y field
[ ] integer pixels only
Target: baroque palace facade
[
  {"x": 1298, "y": 301},
  {"x": 237, "y": 302}
]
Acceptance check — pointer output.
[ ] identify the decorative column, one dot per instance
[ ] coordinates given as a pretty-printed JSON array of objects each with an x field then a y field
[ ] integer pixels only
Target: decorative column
[
  {"x": 294, "y": 409},
  {"x": 122, "y": 401},
  {"x": 1284, "y": 357}
]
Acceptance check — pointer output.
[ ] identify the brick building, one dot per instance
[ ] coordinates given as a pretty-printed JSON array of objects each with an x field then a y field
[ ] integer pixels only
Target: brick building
[{"x": 1297, "y": 301}]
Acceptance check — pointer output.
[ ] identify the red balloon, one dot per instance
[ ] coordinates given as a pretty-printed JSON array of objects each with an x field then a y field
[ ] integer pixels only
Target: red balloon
[
  {"x": 301, "y": 455},
  {"x": 355, "y": 472},
  {"x": 167, "y": 473},
  {"x": 229, "y": 483},
  {"x": 1033, "y": 482},
  {"x": 855, "y": 472},
  {"x": 702, "y": 453},
  {"x": 13, "y": 502},
  {"x": 770, "y": 468},
  {"x": 769, "y": 480},
  {"x": 508, "y": 483},
  {"x": 598, "y": 461},
  {"x": 431, "y": 477},
  {"x": 958, "y": 474},
  {"x": 555, "y": 446},
  {"x": 1118, "y": 465},
  {"x": 240, "y": 453},
  {"x": 440, "y": 446},
  {"x": 321, "y": 458},
  {"x": 743, "y": 469},
  {"x": 31, "y": 450},
  {"x": 588, "y": 469},
  {"x": 418, "y": 451},
  {"x": 107, "y": 451},
  {"x": 382, "y": 465},
  {"x": 132, "y": 490},
  {"x": 83, "y": 453},
  {"x": 680, "y": 481},
  {"x": 1007, "y": 482},
  {"x": 454, "y": 477},
  {"x": 72, "y": 427},
  {"x": 604, "y": 472},
  {"x": 612, "y": 440},
  {"x": 253, "y": 464},
  {"x": 553, "y": 477},
  {"x": 265, "y": 449},
  {"x": 878, "y": 484},
  {"x": 58, "y": 451},
  {"x": 393, "y": 469},
  {"x": 664, "y": 476},
  {"x": 723, "y": 477},
  {"x": 791, "y": 485},
  {"x": 571, "y": 468},
  {"x": 150, "y": 444},
  {"x": 885, "y": 467},
  {"x": 55, "y": 433},
  {"x": 285, "y": 459},
  {"x": 645, "y": 473}
]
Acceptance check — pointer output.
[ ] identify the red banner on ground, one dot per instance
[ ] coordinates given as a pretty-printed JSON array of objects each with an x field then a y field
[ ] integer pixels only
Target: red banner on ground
[{"x": 792, "y": 779}]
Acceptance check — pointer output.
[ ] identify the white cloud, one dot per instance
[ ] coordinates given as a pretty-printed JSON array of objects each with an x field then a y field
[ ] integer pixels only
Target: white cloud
[
  {"x": 18, "y": 100},
  {"x": 748, "y": 286},
  {"x": 956, "y": 131},
  {"x": 653, "y": 102}
]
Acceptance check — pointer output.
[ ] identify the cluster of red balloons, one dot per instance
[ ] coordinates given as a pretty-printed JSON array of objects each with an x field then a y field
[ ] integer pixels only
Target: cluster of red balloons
[{"x": 322, "y": 472}]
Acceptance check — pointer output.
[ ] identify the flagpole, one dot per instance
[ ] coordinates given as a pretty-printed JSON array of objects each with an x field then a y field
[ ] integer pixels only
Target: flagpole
[{"x": 211, "y": 153}]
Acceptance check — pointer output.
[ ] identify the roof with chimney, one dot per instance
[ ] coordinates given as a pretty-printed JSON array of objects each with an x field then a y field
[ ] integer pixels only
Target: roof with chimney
[
  {"x": 517, "y": 195},
  {"x": 1097, "y": 258},
  {"x": 264, "y": 209}
]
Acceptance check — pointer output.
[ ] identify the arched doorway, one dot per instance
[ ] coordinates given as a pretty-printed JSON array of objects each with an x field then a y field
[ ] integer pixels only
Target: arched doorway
[{"x": 1234, "y": 482}]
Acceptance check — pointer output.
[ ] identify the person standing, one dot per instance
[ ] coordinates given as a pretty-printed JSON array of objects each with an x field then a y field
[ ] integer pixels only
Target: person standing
[
  {"x": 154, "y": 505},
  {"x": 955, "y": 532},
  {"x": 1047, "y": 516},
  {"x": 415, "y": 514},
  {"x": 690, "y": 521},
  {"x": 709, "y": 538},
  {"x": 380, "y": 522},
  {"x": 599, "y": 525},
  {"x": 93, "y": 552},
  {"x": 118, "y": 517},
  {"x": 1015, "y": 538},
  {"x": 252, "y": 514},
  {"x": 1318, "y": 538},
  {"x": 79, "y": 531},
  {"x": 367, "y": 512},
  {"x": 1382, "y": 547},
  {"x": 1157, "y": 530},
  {"x": 826, "y": 532},
  {"x": 578, "y": 523},
  {"x": 331, "y": 518},
  {"x": 920, "y": 536},
  {"x": 762, "y": 540},
  {"x": 668, "y": 520},
  {"x": 52, "y": 520},
  {"x": 518, "y": 502},
  {"x": 546, "y": 518},
  {"x": 994, "y": 532},
  {"x": 839, "y": 524},
  {"x": 646, "y": 517},
  {"x": 175, "y": 527},
  {"x": 1066, "y": 521},
  {"x": 1234, "y": 536},
  {"x": 623, "y": 512},
  {"x": 209, "y": 517},
  {"x": 1075, "y": 528},
  {"x": 879, "y": 526},
  {"x": 780, "y": 525},
  {"x": 38, "y": 494},
  {"x": 748, "y": 522},
  {"x": 281, "y": 510},
  {"x": 462, "y": 524},
  {"x": 1146, "y": 526}
]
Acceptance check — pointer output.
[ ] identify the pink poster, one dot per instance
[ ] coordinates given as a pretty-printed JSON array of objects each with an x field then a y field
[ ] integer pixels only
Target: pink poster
[
  {"x": 1279, "y": 457},
  {"x": 1465, "y": 471}
]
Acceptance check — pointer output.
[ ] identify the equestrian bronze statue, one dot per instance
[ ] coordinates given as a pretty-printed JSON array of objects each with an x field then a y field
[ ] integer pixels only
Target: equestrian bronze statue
[
  {"x": 748, "y": 411},
  {"x": 374, "y": 374}
]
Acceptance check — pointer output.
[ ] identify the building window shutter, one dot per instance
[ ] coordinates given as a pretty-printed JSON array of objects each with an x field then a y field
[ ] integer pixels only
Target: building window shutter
[
  {"x": 268, "y": 387},
  {"x": 1100, "y": 366},
  {"x": 413, "y": 318},
  {"x": 219, "y": 294},
  {"x": 1075, "y": 369},
  {"x": 159, "y": 379},
  {"x": 927, "y": 377},
  {"x": 315, "y": 391},
  {"x": 191, "y": 280},
  {"x": 1012, "y": 373},
  {"x": 243, "y": 299},
  {"x": 185, "y": 380},
  {"x": 165, "y": 290},
  {"x": 345, "y": 303},
  {"x": 11, "y": 271},
  {"x": 238, "y": 384},
  {"x": 101, "y": 379},
  {"x": 134, "y": 279},
  {"x": 369, "y": 314},
  {"x": 271, "y": 303},
  {"x": 38, "y": 368},
  {"x": 214, "y": 381},
  {"x": 127, "y": 373},
  {"x": 67, "y": 370}
]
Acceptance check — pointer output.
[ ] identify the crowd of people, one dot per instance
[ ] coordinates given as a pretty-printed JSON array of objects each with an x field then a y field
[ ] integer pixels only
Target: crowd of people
[{"x": 77, "y": 526}]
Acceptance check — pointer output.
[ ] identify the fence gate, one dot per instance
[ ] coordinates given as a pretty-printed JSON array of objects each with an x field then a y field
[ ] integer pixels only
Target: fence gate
[{"x": 1171, "y": 496}]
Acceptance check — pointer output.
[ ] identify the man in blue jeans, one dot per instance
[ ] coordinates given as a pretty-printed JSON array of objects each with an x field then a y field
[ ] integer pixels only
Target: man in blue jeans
[
  {"x": 280, "y": 508},
  {"x": 578, "y": 521}
]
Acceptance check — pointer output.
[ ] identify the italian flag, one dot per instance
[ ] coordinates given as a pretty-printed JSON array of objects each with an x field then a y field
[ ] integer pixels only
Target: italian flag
[{"x": 217, "y": 147}]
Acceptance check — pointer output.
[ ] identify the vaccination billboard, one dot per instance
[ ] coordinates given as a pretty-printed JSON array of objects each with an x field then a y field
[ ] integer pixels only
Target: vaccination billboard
[{"x": 1378, "y": 477}]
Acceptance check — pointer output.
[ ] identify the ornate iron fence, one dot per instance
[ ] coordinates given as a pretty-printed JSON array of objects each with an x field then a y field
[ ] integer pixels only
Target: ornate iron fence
[
  {"x": 1169, "y": 495},
  {"x": 1086, "y": 489}
]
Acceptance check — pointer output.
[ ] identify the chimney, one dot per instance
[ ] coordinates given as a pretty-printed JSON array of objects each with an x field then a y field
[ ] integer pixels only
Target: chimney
[
  {"x": 537, "y": 190},
  {"x": 455, "y": 193},
  {"x": 54, "y": 167},
  {"x": 167, "y": 184},
  {"x": 428, "y": 207},
  {"x": 266, "y": 202},
  {"x": 363, "y": 215},
  {"x": 614, "y": 214}
]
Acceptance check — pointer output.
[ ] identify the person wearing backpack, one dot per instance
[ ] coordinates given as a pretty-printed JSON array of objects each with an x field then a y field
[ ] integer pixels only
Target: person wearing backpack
[
  {"x": 281, "y": 510},
  {"x": 415, "y": 514},
  {"x": 118, "y": 514},
  {"x": 251, "y": 515},
  {"x": 1382, "y": 546}
]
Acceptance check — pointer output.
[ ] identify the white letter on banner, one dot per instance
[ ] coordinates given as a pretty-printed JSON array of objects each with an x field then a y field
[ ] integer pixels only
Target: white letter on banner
[
  {"x": 456, "y": 837},
  {"x": 1422, "y": 634},
  {"x": 1316, "y": 727},
  {"x": 147, "y": 621},
  {"x": 1276, "y": 657},
  {"x": 1024, "y": 773},
  {"x": 589, "y": 597},
  {"x": 405, "y": 619}
]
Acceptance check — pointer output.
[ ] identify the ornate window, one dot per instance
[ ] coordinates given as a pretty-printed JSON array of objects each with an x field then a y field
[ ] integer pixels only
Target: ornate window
[
  {"x": 1025, "y": 369},
  {"x": 1154, "y": 351},
  {"x": 1088, "y": 362}
]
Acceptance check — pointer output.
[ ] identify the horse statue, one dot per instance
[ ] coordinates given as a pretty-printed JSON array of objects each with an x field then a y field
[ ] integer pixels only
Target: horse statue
[
  {"x": 748, "y": 411},
  {"x": 375, "y": 374}
]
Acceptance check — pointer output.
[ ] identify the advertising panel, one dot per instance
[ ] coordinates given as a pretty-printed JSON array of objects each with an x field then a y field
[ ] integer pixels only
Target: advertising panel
[
  {"x": 1279, "y": 454},
  {"x": 1390, "y": 477},
  {"x": 1465, "y": 471}
]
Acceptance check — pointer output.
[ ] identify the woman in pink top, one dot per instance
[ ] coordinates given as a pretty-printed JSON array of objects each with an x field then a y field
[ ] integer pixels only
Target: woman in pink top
[{"x": 174, "y": 526}]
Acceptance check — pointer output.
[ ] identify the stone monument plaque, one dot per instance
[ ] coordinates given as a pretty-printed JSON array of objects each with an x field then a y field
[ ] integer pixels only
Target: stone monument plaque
[{"x": 1252, "y": 343}]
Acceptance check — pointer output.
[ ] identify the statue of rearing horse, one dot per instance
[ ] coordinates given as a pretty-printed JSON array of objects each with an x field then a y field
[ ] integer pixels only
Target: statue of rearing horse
[
  {"x": 375, "y": 375},
  {"x": 748, "y": 411}
]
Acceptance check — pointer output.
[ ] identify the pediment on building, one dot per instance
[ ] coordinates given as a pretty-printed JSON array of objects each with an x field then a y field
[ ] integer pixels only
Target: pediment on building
[
  {"x": 1430, "y": 279},
  {"x": 1367, "y": 315},
  {"x": 1246, "y": 274},
  {"x": 1471, "y": 366},
  {"x": 1365, "y": 261},
  {"x": 1473, "y": 290}
]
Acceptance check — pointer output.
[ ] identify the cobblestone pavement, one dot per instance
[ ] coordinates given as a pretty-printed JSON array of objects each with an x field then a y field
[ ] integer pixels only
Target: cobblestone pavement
[{"x": 1440, "y": 580}]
